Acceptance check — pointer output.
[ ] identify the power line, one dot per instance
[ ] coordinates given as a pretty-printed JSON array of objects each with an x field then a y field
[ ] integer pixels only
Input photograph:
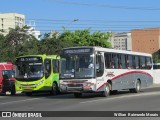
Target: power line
[
  {"x": 106, "y": 5},
  {"x": 85, "y": 20}
]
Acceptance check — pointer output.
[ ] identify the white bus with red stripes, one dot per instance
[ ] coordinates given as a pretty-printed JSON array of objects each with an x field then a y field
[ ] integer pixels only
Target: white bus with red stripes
[
  {"x": 156, "y": 73},
  {"x": 97, "y": 69}
]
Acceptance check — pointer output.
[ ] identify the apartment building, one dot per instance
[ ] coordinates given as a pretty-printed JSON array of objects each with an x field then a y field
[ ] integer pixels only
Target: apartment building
[
  {"x": 10, "y": 20},
  {"x": 121, "y": 41}
]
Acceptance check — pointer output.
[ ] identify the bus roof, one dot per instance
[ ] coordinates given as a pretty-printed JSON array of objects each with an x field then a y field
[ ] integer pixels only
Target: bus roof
[
  {"x": 44, "y": 55},
  {"x": 112, "y": 50},
  {"x": 6, "y": 66}
]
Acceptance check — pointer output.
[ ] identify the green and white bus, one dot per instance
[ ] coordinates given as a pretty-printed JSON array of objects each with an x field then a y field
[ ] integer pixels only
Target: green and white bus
[{"x": 37, "y": 73}]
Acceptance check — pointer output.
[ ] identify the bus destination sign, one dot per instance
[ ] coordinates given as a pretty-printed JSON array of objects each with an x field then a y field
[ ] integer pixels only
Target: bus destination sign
[
  {"x": 78, "y": 51},
  {"x": 29, "y": 59}
]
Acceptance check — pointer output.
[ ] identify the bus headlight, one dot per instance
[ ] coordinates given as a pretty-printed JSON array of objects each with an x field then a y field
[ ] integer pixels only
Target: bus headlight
[
  {"x": 41, "y": 82},
  {"x": 17, "y": 84}
]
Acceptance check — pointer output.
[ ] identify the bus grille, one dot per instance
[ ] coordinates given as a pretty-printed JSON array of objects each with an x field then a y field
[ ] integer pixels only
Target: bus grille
[{"x": 75, "y": 85}]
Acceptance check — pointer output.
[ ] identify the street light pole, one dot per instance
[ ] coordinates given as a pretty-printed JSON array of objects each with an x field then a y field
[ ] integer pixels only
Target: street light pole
[{"x": 75, "y": 20}]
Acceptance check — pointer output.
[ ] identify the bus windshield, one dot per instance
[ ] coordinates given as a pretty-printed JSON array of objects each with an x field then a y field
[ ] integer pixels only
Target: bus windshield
[
  {"x": 77, "y": 66},
  {"x": 9, "y": 73},
  {"x": 29, "y": 70}
]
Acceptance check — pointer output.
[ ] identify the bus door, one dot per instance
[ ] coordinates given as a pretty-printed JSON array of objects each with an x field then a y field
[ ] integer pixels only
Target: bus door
[
  {"x": 48, "y": 78},
  {"x": 55, "y": 65},
  {"x": 100, "y": 71}
]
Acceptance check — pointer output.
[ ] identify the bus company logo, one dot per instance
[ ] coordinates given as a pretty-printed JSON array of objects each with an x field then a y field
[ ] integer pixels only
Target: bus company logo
[
  {"x": 6, "y": 114},
  {"x": 110, "y": 74}
]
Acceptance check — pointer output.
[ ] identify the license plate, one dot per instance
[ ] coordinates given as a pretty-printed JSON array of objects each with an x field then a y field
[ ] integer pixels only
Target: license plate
[{"x": 27, "y": 87}]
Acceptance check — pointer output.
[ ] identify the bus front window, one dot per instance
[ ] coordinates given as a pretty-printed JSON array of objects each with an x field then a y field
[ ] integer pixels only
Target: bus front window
[
  {"x": 77, "y": 66},
  {"x": 29, "y": 70}
]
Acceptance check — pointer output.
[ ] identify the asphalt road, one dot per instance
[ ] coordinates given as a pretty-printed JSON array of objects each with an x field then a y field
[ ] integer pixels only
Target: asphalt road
[{"x": 146, "y": 100}]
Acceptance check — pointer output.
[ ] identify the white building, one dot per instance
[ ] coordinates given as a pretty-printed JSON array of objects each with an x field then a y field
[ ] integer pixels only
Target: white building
[
  {"x": 10, "y": 20},
  {"x": 121, "y": 41},
  {"x": 34, "y": 32}
]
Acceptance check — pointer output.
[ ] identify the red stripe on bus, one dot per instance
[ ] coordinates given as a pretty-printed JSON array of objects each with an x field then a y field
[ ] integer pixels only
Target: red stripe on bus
[
  {"x": 127, "y": 73},
  {"x": 101, "y": 86},
  {"x": 132, "y": 72}
]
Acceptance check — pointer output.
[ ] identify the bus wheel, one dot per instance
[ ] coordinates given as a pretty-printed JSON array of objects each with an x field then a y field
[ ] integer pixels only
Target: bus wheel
[
  {"x": 138, "y": 87},
  {"x": 54, "y": 90},
  {"x": 77, "y": 95},
  {"x": 131, "y": 90},
  {"x": 13, "y": 91},
  {"x": 114, "y": 92},
  {"x": 106, "y": 91},
  {"x": 28, "y": 93}
]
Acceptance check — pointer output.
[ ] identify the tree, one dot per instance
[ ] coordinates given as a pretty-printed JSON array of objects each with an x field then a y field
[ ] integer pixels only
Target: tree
[
  {"x": 156, "y": 58},
  {"x": 54, "y": 43},
  {"x": 51, "y": 44},
  {"x": 18, "y": 42},
  {"x": 2, "y": 39},
  {"x": 85, "y": 38}
]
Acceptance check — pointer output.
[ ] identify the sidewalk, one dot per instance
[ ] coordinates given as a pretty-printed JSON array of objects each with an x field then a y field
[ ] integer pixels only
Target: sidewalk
[{"x": 156, "y": 85}]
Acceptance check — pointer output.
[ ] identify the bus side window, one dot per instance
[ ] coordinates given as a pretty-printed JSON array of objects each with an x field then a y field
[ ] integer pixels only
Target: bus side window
[
  {"x": 47, "y": 63},
  {"x": 119, "y": 61},
  {"x": 136, "y": 62},
  {"x": 99, "y": 65},
  {"x": 108, "y": 61},
  {"x": 148, "y": 63},
  {"x": 129, "y": 61},
  {"x": 123, "y": 61},
  {"x": 55, "y": 64},
  {"x": 142, "y": 62},
  {"x": 133, "y": 62},
  {"x": 115, "y": 60}
]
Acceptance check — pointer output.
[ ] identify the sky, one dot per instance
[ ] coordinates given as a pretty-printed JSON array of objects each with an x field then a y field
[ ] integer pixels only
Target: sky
[{"x": 96, "y": 15}]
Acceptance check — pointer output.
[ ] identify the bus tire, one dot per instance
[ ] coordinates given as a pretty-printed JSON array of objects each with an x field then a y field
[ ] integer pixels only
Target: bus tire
[
  {"x": 28, "y": 93},
  {"x": 131, "y": 90},
  {"x": 54, "y": 90},
  {"x": 137, "y": 88},
  {"x": 114, "y": 92},
  {"x": 106, "y": 91},
  {"x": 77, "y": 95},
  {"x": 13, "y": 90}
]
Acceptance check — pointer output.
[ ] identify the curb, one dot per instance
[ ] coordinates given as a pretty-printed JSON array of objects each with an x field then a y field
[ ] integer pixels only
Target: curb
[{"x": 156, "y": 85}]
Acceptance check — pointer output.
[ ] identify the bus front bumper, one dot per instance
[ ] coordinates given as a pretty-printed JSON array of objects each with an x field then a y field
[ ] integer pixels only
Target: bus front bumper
[{"x": 76, "y": 89}]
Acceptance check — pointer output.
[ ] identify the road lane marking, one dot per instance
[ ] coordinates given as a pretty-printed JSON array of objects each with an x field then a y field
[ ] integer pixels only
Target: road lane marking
[
  {"x": 124, "y": 96},
  {"x": 26, "y": 99},
  {"x": 2, "y": 96},
  {"x": 18, "y": 101}
]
